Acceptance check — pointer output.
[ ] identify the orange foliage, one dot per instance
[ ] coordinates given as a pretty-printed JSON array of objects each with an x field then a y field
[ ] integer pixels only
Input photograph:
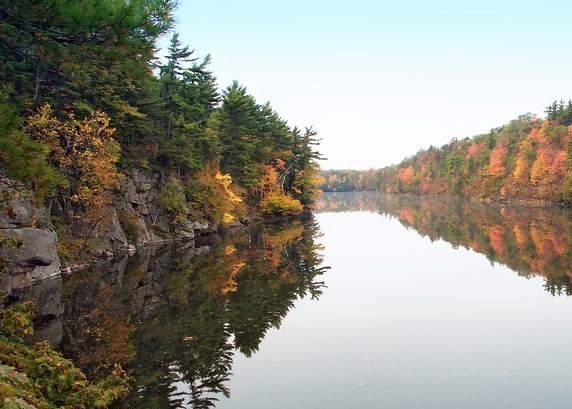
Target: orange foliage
[
  {"x": 537, "y": 135},
  {"x": 269, "y": 180},
  {"x": 558, "y": 165},
  {"x": 474, "y": 149},
  {"x": 407, "y": 215},
  {"x": 496, "y": 166},
  {"x": 275, "y": 241},
  {"x": 475, "y": 245},
  {"x": 496, "y": 235},
  {"x": 86, "y": 152},
  {"x": 537, "y": 235},
  {"x": 406, "y": 174}
]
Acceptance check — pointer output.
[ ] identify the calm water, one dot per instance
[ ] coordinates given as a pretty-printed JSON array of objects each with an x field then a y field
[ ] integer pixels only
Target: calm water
[
  {"x": 408, "y": 322},
  {"x": 427, "y": 304}
]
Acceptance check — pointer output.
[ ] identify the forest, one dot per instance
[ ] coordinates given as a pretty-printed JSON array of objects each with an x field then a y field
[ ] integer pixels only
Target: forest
[
  {"x": 90, "y": 115},
  {"x": 84, "y": 99},
  {"x": 528, "y": 159}
]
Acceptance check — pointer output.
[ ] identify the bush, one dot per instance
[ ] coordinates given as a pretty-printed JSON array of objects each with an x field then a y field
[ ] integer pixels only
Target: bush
[
  {"x": 212, "y": 197},
  {"x": 277, "y": 204},
  {"x": 24, "y": 159},
  {"x": 37, "y": 376},
  {"x": 172, "y": 199}
]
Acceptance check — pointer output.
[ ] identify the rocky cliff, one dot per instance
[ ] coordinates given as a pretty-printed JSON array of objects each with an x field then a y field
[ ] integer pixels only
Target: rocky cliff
[{"x": 29, "y": 242}]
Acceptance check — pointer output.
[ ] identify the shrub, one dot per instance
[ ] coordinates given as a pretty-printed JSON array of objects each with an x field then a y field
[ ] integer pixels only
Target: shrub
[
  {"x": 172, "y": 199},
  {"x": 277, "y": 204},
  {"x": 39, "y": 376},
  {"x": 212, "y": 196},
  {"x": 24, "y": 159}
]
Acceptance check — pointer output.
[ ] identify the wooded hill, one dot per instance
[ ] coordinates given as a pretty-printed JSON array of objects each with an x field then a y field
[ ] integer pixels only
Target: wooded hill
[
  {"x": 84, "y": 101},
  {"x": 527, "y": 159}
]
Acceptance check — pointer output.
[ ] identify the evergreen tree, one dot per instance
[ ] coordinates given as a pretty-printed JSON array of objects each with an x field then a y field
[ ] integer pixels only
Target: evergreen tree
[{"x": 237, "y": 133}]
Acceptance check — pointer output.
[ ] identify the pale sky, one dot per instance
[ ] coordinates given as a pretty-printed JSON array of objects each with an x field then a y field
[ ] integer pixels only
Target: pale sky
[{"x": 380, "y": 80}]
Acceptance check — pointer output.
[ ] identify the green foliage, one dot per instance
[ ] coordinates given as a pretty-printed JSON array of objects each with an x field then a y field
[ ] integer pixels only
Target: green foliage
[
  {"x": 125, "y": 108},
  {"x": 349, "y": 180},
  {"x": 188, "y": 98},
  {"x": 45, "y": 46},
  {"x": 560, "y": 112},
  {"x": 16, "y": 322},
  {"x": 173, "y": 200},
  {"x": 24, "y": 159},
  {"x": 39, "y": 376}
]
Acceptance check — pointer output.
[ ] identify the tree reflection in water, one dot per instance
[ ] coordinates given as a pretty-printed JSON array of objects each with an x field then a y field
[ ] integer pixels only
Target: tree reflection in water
[
  {"x": 529, "y": 240},
  {"x": 174, "y": 318}
]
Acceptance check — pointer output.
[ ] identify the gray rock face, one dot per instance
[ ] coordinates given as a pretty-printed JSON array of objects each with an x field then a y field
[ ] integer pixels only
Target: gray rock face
[
  {"x": 149, "y": 223},
  {"x": 20, "y": 212},
  {"x": 185, "y": 230},
  {"x": 113, "y": 239},
  {"x": 139, "y": 196},
  {"x": 29, "y": 255}
]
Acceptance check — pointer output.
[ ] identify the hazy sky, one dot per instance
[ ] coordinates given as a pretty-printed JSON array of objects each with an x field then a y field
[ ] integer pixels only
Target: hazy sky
[{"x": 380, "y": 80}]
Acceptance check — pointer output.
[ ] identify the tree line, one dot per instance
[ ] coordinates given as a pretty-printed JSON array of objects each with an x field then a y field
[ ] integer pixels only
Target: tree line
[{"x": 529, "y": 158}]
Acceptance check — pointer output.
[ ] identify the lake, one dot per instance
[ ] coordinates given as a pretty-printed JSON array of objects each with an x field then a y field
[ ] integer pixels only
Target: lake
[
  {"x": 415, "y": 322},
  {"x": 376, "y": 301}
]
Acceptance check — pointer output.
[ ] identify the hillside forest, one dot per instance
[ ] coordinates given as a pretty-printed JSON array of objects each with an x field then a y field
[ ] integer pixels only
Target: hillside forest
[
  {"x": 84, "y": 100},
  {"x": 529, "y": 159}
]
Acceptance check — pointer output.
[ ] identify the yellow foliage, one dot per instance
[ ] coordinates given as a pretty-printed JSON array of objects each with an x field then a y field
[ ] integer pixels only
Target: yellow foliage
[
  {"x": 212, "y": 196},
  {"x": 228, "y": 218},
  {"x": 230, "y": 285},
  {"x": 279, "y": 238},
  {"x": 279, "y": 204},
  {"x": 85, "y": 151},
  {"x": 225, "y": 181},
  {"x": 229, "y": 249}
]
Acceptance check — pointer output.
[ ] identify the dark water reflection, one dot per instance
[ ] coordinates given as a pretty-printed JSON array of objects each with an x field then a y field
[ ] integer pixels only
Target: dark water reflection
[
  {"x": 174, "y": 317},
  {"x": 529, "y": 240}
]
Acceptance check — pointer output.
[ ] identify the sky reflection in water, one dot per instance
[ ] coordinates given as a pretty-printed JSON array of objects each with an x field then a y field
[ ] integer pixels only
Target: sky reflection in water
[{"x": 407, "y": 322}]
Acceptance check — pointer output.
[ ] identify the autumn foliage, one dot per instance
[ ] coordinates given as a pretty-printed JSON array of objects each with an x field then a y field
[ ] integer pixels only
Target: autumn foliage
[
  {"x": 86, "y": 153},
  {"x": 532, "y": 240},
  {"x": 527, "y": 159}
]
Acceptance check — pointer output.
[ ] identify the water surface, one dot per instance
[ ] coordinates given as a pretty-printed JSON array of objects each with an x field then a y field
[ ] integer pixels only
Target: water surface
[
  {"x": 427, "y": 303},
  {"x": 417, "y": 322}
]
